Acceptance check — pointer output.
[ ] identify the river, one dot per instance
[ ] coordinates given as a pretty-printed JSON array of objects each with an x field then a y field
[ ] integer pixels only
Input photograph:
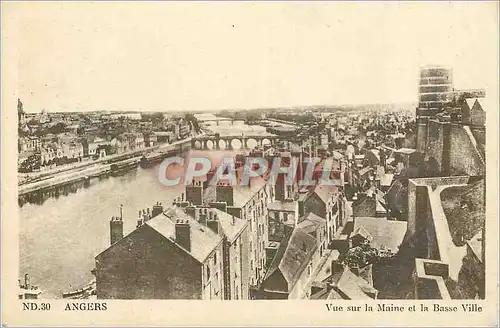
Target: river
[{"x": 60, "y": 238}]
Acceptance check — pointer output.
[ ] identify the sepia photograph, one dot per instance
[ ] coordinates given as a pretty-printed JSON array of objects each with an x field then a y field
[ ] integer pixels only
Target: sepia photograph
[{"x": 337, "y": 152}]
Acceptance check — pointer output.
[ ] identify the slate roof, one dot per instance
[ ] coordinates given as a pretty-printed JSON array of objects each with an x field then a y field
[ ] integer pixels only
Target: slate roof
[
  {"x": 325, "y": 192},
  {"x": 351, "y": 286},
  {"x": 344, "y": 285},
  {"x": 291, "y": 258},
  {"x": 230, "y": 225},
  {"x": 282, "y": 206},
  {"x": 203, "y": 239},
  {"x": 311, "y": 223},
  {"x": 387, "y": 234}
]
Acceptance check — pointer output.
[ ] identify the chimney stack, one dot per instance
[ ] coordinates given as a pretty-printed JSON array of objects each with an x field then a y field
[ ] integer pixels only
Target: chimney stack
[
  {"x": 224, "y": 193},
  {"x": 213, "y": 224},
  {"x": 157, "y": 209},
  {"x": 183, "y": 234},
  {"x": 139, "y": 219},
  {"x": 145, "y": 215},
  {"x": 116, "y": 229},
  {"x": 336, "y": 267},
  {"x": 27, "y": 281},
  {"x": 203, "y": 217},
  {"x": 191, "y": 211}
]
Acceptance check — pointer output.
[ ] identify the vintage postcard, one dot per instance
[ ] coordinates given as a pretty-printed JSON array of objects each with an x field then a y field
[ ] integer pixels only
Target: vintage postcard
[{"x": 301, "y": 163}]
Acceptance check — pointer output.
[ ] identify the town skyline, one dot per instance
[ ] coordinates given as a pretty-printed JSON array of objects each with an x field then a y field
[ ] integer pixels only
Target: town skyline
[{"x": 204, "y": 60}]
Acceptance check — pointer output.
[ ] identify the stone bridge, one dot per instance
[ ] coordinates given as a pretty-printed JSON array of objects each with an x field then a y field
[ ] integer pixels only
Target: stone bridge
[{"x": 233, "y": 141}]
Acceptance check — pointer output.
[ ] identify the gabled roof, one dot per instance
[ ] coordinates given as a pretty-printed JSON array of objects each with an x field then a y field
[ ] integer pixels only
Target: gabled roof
[
  {"x": 311, "y": 223},
  {"x": 362, "y": 232},
  {"x": 350, "y": 285},
  {"x": 325, "y": 192},
  {"x": 470, "y": 102},
  {"x": 231, "y": 226},
  {"x": 293, "y": 256},
  {"x": 243, "y": 194},
  {"x": 203, "y": 239}
]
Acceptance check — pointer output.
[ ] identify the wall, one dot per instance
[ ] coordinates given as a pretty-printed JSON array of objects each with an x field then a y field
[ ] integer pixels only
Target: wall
[
  {"x": 144, "y": 265},
  {"x": 455, "y": 148},
  {"x": 213, "y": 281},
  {"x": 465, "y": 157},
  {"x": 435, "y": 142}
]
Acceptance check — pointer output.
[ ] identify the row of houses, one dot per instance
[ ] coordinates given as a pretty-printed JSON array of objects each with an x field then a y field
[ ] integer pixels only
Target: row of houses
[{"x": 260, "y": 241}]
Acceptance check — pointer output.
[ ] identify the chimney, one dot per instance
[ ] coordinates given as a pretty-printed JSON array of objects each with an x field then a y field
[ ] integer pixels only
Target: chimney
[
  {"x": 336, "y": 267},
  {"x": 145, "y": 215},
  {"x": 183, "y": 234},
  {"x": 203, "y": 217},
  {"x": 213, "y": 224},
  {"x": 224, "y": 193},
  {"x": 27, "y": 281},
  {"x": 139, "y": 219},
  {"x": 116, "y": 229},
  {"x": 191, "y": 211},
  {"x": 157, "y": 209},
  {"x": 300, "y": 204}
]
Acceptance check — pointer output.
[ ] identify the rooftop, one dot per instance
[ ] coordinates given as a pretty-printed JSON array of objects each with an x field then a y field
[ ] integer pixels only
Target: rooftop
[
  {"x": 387, "y": 234},
  {"x": 293, "y": 256},
  {"x": 282, "y": 206},
  {"x": 231, "y": 226},
  {"x": 464, "y": 209},
  {"x": 311, "y": 223},
  {"x": 203, "y": 240}
]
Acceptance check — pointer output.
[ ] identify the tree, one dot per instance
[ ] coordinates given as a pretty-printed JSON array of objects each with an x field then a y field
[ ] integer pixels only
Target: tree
[
  {"x": 361, "y": 256},
  {"x": 30, "y": 164}
]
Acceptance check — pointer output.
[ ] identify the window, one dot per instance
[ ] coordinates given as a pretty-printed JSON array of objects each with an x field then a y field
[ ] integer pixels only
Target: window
[
  {"x": 309, "y": 269},
  {"x": 251, "y": 265},
  {"x": 208, "y": 273},
  {"x": 215, "y": 258},
  {"x": 251, "y": 246}
]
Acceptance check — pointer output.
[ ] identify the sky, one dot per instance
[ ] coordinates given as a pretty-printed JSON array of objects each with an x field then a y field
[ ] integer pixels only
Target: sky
[{"x": 206, "y": 56}]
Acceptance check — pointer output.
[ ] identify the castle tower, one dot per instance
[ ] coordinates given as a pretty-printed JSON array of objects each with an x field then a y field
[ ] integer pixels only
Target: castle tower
[{"x": 435, "y": 92}]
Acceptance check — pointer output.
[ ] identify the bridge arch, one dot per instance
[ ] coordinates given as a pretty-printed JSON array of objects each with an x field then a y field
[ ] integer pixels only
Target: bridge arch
[
  {"x": 236, "y": 144},
  {"x": 251, "y": 143},
  {"x": 210, "y": 144},
  {"x": 223, "y": 144}
]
